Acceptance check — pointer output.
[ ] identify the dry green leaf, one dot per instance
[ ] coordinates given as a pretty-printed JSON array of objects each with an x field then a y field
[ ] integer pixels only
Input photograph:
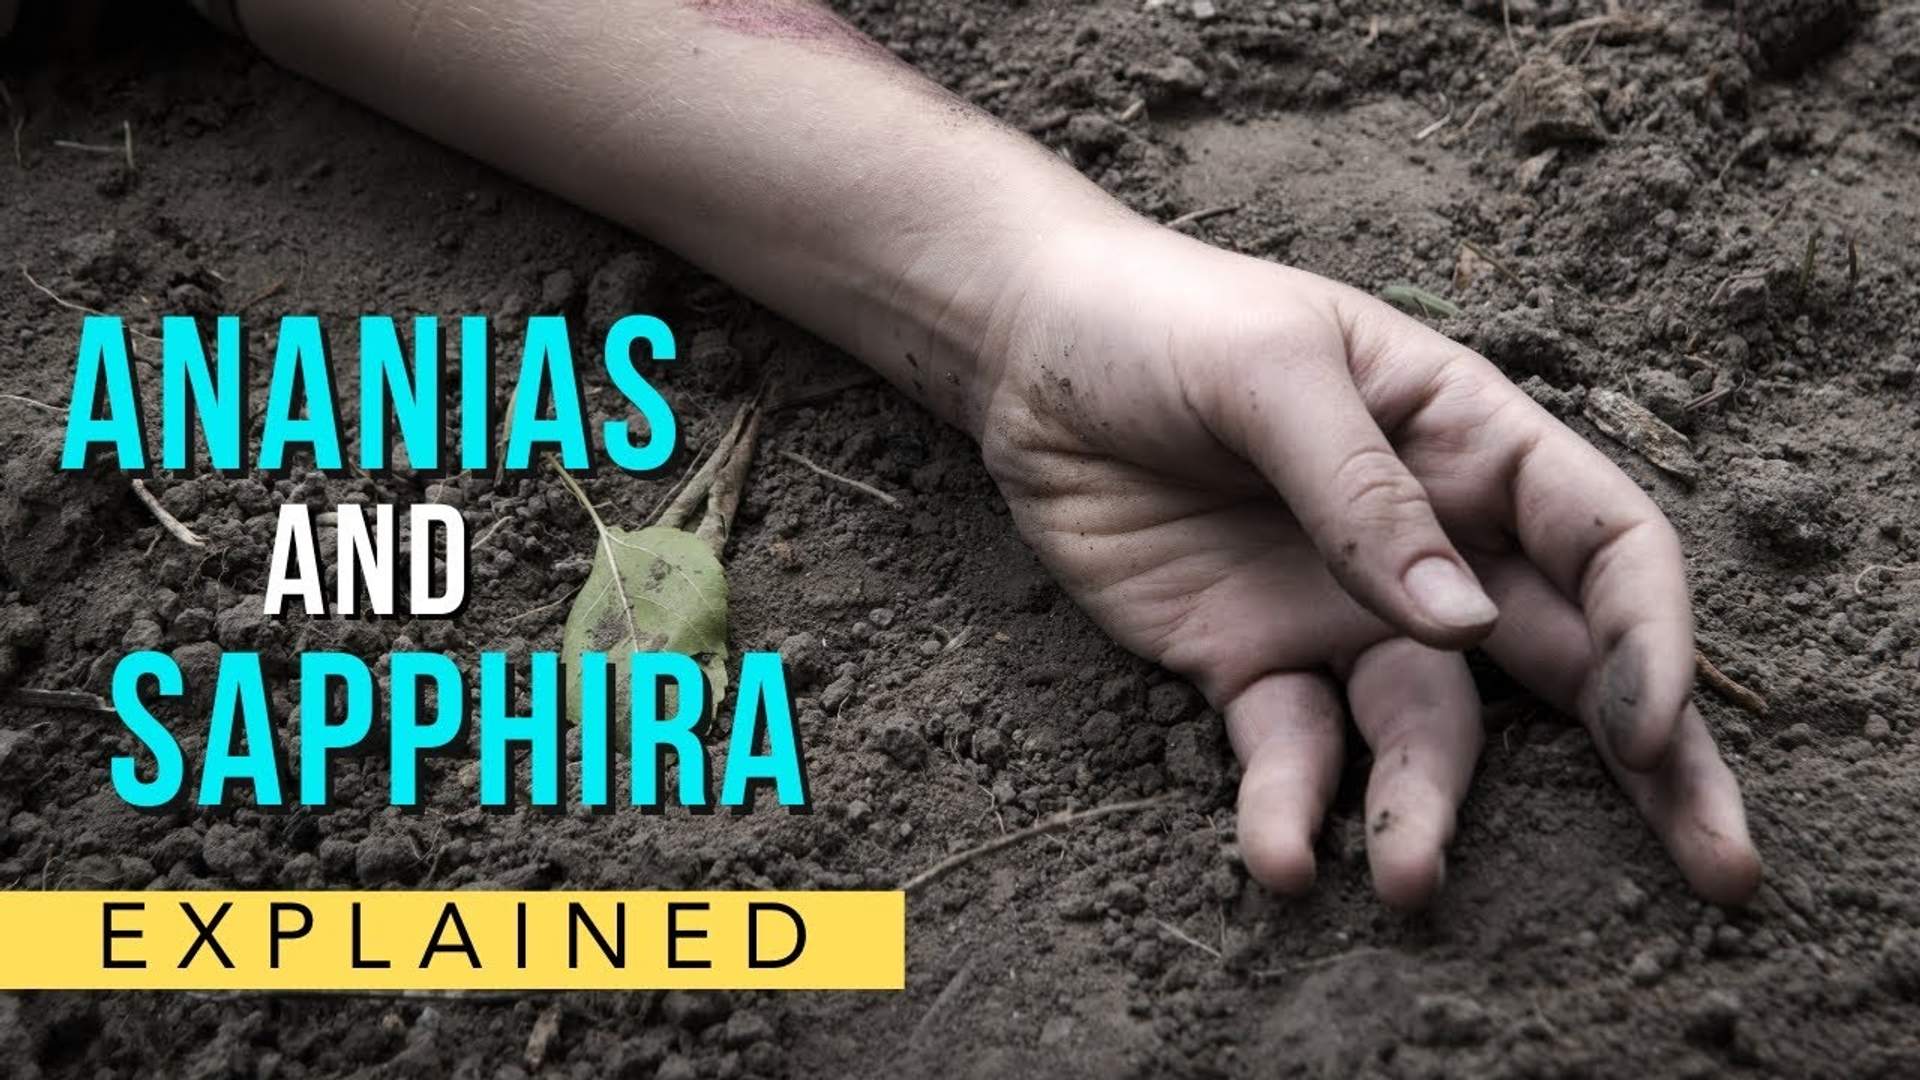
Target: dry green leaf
[{"x": 651, "y": 590}]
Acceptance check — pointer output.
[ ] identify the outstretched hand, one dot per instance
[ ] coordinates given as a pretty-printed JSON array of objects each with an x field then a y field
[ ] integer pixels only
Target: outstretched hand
[{"x": 1308, "y": 503}]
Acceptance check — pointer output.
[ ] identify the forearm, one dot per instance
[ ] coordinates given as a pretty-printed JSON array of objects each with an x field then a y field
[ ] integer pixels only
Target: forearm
[{"x": 762, "y": 139}]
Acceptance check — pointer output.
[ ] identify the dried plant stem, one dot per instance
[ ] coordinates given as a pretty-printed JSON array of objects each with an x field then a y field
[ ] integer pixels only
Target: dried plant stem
[
  {"x": 1197, "y": 216},
  {"x": 82, "y": 308},
  {"x": 1056, "y": 822},
  {"x": 1499, "y": 267},
  {"x": 846, "y": 481},
  {"x": 730, "y": 483},
  {"x": 1182, "y": 936},
  {"x": 71, "y": 700},
  {"x": 167, "y": 521},
  {"x": 680, "y": 510},
  {"x": 1724, "y": 684}
]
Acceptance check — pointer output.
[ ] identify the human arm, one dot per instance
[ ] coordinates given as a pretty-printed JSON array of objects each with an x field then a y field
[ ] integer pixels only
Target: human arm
[{"x": 1271, "y": 483}]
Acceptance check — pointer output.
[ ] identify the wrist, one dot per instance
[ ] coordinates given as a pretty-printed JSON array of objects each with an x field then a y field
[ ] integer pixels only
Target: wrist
[{"x": 962, "y": 285}]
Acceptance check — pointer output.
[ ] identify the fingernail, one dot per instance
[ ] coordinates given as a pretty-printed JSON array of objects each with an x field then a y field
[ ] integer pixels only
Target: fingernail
[{"x": 1447, "y": 594}]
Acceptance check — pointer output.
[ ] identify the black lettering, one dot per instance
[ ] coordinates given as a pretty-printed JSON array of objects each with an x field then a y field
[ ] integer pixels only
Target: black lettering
[
  {"x": 674, "y": 934},
  {"x": 616, "y": 954},
  {"x": 108, "y": 933},
  {"x": 358, "y": 961},
  {"x": 520, "y": 923},
  {"x": 450, "y": 914},
  {"x": 277, "y": 933},
  {"x": 753, "y": 934},
  {"x": 204, "y": 934}
]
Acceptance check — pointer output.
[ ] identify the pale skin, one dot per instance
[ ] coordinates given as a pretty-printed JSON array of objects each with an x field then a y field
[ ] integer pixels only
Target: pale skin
[{"x": 1277, "y": 486}]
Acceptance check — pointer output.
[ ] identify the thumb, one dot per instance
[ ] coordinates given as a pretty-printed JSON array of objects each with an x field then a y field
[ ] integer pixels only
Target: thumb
[{"x": 1306, "y": 428}]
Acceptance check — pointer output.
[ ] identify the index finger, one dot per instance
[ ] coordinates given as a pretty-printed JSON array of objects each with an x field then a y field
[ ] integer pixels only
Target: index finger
[{"x": 1587, "y": 527}]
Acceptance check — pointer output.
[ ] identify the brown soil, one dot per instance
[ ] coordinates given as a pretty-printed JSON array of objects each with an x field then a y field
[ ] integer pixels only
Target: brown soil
[{"x": 1658, "y": 251}]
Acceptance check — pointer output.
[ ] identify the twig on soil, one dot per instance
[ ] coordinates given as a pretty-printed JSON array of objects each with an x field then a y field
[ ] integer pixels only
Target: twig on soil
[
  {"x": 1196, "y": 216},
  {"x": 71, "y": 306},
  {"x": 993, "y": 807},
  {"x": 1712, "y": 397},
  {"x": 1720, "y": 290},
  {"x": 264, "y": 294},
  {"x": 1499, "y": 267},
  {"x": 72, "y": 700},
  {"x": 1056, "y": 822},
  {"x": 1767, "y": 229},
  {"x": 549, "y": 606},
  {"x": 126, "y": 130},
  {"x": 947, "y": 996},
  {"x": 487, "y": 534},
  {"x": 1446, "y": 118},
  {"x": 730, "y": 483},
  {"x": 1189, "y": 939},
  {"x": 1314, "y": 964},
  {"x": 90, "y": 148},
  {"x": 1506, "y": 18},
  {"x": 167, "y": 521},
  {"x": 700, "y": 482},
  {"x": 847, "y": 481},
  {"x": 16, "y": 120},
  {"x": 1894, "y": 572},
  {"x": 1727, "y": 688},
  {"x": 56, "y": 297},
  {"x": 1806, "y": 263},
  {"x": 1499, "y": 97},
  {"x": 32, "y": 402}
]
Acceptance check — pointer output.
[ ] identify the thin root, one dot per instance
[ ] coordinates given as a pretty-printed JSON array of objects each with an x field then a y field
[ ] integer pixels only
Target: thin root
[
  {"x": 1499, "y": 267},
  {"x": 1197, "y": 216},
  {"x": 846, "y": 481},
  {"x": 1188, "y": 939},
  {"x": 264, "y": 294},
  {"x": 1316, "y": 963},
  {"x": 32, "y": 402},
  {"x": 1893, "y": 572},
  {"x": 167, "y": 521},
  {"x": 1726, "y": 687},
  {"x": 1056, "y": 822},
  {"x": 82, "y": 308},
  {"x": 1427, "y": 132}
]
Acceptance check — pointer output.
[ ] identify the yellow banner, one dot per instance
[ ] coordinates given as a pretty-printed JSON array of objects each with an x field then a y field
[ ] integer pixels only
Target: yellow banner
[{"x": 452, "y": 940}]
